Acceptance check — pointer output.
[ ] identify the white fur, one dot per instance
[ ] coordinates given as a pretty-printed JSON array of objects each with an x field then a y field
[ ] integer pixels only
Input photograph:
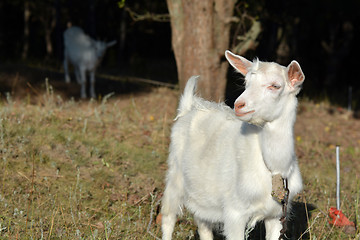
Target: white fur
[
  {"x": 85, "y": 54},
  {"x": 221, "y": 165}
]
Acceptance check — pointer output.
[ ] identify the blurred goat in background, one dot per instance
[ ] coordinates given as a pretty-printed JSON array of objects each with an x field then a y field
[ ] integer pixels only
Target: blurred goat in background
[{"x": 85, "y": 54}]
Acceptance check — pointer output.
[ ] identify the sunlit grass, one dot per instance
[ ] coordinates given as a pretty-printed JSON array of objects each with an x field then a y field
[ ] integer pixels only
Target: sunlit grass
[
  {"x": 86, "y": 170},
  {"x": 95, "y": 169}
]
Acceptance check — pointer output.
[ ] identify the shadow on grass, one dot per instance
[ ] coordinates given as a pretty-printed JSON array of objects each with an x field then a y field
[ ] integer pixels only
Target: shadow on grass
[
  {"x": 22, "y": 80},
  {"x": 297, "y": 225}
]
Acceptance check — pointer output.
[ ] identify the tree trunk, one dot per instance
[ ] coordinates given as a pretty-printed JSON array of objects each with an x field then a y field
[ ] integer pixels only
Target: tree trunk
[
  {"x": 200, "y": 36},
  {"x": 27, "y": 14},
  {"x": 49, "y": 22}
]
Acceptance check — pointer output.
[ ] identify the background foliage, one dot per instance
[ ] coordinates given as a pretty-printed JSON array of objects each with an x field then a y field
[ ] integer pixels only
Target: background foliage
[{"x": 321, "y": 35}]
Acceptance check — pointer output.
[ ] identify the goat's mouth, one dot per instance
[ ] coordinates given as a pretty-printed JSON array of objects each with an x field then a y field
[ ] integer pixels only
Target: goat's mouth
[{"x": 241, "y": 114}]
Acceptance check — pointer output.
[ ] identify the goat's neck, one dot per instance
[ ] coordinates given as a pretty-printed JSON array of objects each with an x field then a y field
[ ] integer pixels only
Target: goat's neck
[{"x": 277, "y": 142}]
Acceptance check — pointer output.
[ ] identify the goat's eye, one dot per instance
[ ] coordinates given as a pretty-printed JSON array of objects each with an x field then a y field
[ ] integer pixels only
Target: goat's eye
[{"x": 274, "y": 86}]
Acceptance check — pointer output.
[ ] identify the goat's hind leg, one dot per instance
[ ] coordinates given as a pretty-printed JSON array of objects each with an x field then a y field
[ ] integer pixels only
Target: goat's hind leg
[
  {"x": 92, "y": 84},
  {"x": 171, "y": 207},
  {"x": 66, "y": 68},
  {"x": 167, "y": 225},
  {"x": 169, "y": 211},
  {"x": 171, "y": 203},
  {"x": 82, "y": 74}
]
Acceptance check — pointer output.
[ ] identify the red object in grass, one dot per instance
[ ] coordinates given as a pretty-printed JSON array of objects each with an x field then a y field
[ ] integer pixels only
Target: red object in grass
[{"x": 338, "y": 218}]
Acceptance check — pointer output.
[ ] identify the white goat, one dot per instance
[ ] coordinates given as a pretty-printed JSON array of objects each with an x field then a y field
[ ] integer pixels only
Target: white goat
[
  {"x": 85, "y": 54},
  {"x": 221, "y": 165}
]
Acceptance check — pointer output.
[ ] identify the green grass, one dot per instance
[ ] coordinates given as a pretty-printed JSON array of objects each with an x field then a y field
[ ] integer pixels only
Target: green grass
[{"x": 95, "y": 169}]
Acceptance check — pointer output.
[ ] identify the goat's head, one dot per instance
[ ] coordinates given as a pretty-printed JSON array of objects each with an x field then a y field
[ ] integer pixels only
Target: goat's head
[
  {"x": 101, "y": 47},
  {"x": 269, "y": 88}
]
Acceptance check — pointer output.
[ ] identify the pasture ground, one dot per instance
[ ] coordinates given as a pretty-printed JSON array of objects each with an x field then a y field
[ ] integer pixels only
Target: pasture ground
[{"x": 94, "y": 169}]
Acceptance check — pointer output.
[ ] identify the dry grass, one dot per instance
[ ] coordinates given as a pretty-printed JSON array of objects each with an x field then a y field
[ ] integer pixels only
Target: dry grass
[
  {"x": 320, "y": 127},
  {"x": 95, "y": 169},
  {"x": 73, "y": 170}
]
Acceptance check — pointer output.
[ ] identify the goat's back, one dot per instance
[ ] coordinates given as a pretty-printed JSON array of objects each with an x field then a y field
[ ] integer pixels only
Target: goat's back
[
  {"x": 75, "y": 37},
  {"x": 80, "y": 49}
]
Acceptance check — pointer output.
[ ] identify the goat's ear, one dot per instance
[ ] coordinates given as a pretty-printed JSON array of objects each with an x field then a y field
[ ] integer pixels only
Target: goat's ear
[
  {"x": 112, "y": 43},
  {"x": 295, "y": 75},
  {"x": 241, "y": 64}
]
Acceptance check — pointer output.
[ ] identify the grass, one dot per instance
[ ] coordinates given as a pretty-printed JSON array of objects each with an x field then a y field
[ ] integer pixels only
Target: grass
[
  {"x": 82, "y": 170},
  {"x": 95, "y": 169}
]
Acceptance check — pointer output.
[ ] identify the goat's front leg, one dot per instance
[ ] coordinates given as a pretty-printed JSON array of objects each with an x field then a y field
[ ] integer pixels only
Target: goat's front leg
[
  {"x": 82, "y": 74},
  {"x": 92, "y": 84},
  {"x": 273, "y": 227},
  {"x": 204, "y": 229},
  {"x": 77, "y": 75},
  {"x": 235, "y": 225}
]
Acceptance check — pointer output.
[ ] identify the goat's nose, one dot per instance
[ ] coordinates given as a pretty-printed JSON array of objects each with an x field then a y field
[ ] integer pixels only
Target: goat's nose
[{"x": 239, "y": 105}]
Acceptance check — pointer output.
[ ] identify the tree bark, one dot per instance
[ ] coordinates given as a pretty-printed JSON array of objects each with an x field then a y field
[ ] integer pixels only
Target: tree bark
[
  {"x": 200, "y": 36},
  {"x": 27, "y": 14},
  {"x": 49, "y": 28},
  {"x": 47, "y": 16}
]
